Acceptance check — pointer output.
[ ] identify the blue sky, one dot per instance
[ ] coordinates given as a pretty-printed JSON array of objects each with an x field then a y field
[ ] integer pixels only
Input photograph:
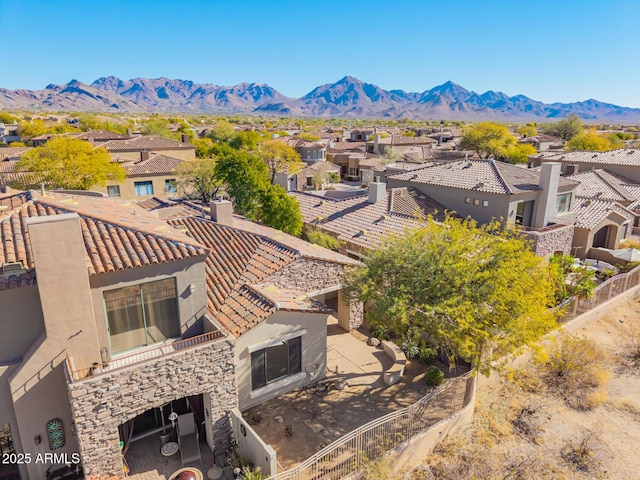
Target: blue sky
[{"x": 564, "y": 51}]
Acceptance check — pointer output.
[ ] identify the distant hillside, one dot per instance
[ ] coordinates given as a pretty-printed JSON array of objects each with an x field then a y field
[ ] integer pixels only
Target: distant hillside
[{"x": 348, "y": 98}]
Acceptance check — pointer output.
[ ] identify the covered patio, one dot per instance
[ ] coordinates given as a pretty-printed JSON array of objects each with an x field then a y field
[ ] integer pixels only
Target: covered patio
[{"x": 300, "y": 423}]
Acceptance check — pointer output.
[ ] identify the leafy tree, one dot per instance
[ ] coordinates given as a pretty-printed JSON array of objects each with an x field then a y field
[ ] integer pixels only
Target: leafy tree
[
  {"x": 528, "y": 130},
  {"x": 570, "y": 280},
  {"x": 279, "y": 210},
  {"x": 323, "y": 239},
  {"x": 567, "y": 128},
  {"x": 488, "y": 139},
  {"x": 157, "y": 126},
  {"x": 279, "y": 158},
  {"x": 472, "y": 292},
  {"x": 88, "y": 122},
  {"x": 309, "y": 136},
  {"x": 7, "y": 118},
  {"x": 589, "y": 141},
  {"x": 17, "y": 144},
  {"x": 222, "y": 132},
  {"x": 33, "y": 128},
  {"x": 245, "y": 177},
  {"x": 199, "y": 176},
  {"x": 69, "y": 163},
  {"x": 520, "y": 152},
  {"x": 245, "y": 140}
]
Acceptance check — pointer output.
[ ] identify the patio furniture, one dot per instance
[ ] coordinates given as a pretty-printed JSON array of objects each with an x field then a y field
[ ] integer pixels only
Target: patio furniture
[
  {"x": 188, "y": 439},
  {"x": 189, "y": 473},
  {"x": 169, "y": 448}
]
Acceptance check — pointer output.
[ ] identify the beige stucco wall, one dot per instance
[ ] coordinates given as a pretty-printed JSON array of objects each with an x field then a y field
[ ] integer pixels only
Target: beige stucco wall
[
  {"x": 22, "y": 321},
  {"x": 187, "y": 272},
  {"x": 38, "y": 386},
  {"x": 314, "y": 354},
  {"x": 127, "y": 187}
]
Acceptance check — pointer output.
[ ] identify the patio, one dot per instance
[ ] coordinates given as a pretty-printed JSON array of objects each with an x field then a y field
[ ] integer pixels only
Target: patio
[
  {"x": 147, "y": 463},
  {"x": 312, "y": 417}
]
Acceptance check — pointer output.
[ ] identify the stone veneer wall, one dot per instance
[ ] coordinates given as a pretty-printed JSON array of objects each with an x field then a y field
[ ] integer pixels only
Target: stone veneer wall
[
  {"x": 101, "y": 403},
  {"x": 308, "y": 275},
  {"x": 556, "y": 240}
]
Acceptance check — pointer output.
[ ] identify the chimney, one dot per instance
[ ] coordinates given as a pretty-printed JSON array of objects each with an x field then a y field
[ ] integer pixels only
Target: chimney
[
  {"x": 144, "y": 156},
  {"x": 185, "y": 138},
  {"x": 129, "y": 132},
  {"x": 571, "y": 169},
  {"x": 376, "y": 140},
  {"x": 377, "y": 190},
  {"x": 546, "y": 204},
  {"x": 222, "y": 212}
]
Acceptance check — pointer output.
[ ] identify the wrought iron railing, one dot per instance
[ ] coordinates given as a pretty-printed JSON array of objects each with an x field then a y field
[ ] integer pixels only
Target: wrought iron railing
[
  {"x": 141, "y": 356},
  {"x": 351, "y": 452}
]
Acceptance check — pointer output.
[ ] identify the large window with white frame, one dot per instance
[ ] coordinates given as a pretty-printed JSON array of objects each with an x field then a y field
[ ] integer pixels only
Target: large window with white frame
[{"x": 275, "y": 362}]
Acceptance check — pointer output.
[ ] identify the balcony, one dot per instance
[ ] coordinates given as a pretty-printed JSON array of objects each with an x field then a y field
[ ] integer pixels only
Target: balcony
[{"x": 140, "y": 355}]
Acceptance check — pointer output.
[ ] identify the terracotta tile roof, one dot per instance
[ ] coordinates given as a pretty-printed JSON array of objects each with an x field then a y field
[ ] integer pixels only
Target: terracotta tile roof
[
  {"x": 98, "y": 136},
  {"x": 145, "y": 142},
  {"x": 604, "y": 185},
  {"x": 239, "y": 261},
  {"x": 621, "y": 156},
  {"x": 117, "y": 235},
  {"x": 342, "y": 147},
  {"x": 479, "y": 175},
  {"x": 402, "y": 140},
  {"x": 590, "y": 212},
  {"x": 12, "y": 153},
  {"x": 157, "y": 164},
  {"x": 362, "y": 224}
]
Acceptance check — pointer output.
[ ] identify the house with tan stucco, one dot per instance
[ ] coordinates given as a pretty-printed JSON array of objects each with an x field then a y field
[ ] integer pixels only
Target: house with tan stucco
[{"x": 116, "y": 315}]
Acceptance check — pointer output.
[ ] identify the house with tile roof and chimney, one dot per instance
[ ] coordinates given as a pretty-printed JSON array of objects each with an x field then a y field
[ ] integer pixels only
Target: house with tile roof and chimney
[
  {"x": 115, "y": 315},
  {"x": 623, "y": 161},
  {"x": 362, "y": 221},
  {"x": 539, "y": 203}
]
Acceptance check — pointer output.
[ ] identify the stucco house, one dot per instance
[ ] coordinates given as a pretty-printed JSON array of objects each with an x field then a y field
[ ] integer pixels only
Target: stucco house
[
  {"x": 623, "y": 161},
  {"x": 540, "y": 202},
  {"x": 117, "y": 314}
]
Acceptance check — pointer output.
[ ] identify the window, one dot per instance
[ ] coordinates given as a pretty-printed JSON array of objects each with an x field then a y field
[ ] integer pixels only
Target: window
[
  {"x": 467, "y": 199},
  {"x": 276, "y": 362},
  {"x": 113, "y": 190},
  {"x": 476, "y": 201},
  {"x": 315, "y": 155},
  {"x": 309, "y": 181},
  {"x": 170, "y": 186},
  {"x": 563, "y": 202},
  {"x": 143, "y": 188},
  {"x": 354, "y": 172},
  {"x": 142, "y": 314},
  {"x": 485, "y": 203}
]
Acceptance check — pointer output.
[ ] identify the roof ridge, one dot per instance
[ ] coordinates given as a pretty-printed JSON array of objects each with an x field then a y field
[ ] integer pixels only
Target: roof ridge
[
  {"x": 494, "y": 165},
  {"x": 191, "y": 242}
]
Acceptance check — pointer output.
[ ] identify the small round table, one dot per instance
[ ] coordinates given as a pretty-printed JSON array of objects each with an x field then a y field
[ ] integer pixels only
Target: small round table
[
  {"x": 169, "y": 448},
  {"x": 197, "y": 474}
]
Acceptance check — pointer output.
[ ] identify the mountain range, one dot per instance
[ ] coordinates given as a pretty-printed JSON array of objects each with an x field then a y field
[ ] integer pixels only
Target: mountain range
[{"x": 347, "y": 98}]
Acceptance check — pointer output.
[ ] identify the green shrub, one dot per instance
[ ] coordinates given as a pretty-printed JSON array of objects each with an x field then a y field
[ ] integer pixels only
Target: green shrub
[
  {"x": 433, "y": 376},
  {"x": 427, "y": 355},
  {"x": 410, "y": 348},
  {"x": 380, "y": 331}
]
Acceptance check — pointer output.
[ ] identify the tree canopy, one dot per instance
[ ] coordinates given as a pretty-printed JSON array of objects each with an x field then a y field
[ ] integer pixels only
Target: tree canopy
[
  {"x": 70, "y": 164},
  {"x": 589, "y": 140},
  {"x": 279, "y": 157},
  {"x": 199, "y": 176},
  {"x": 567, "y": 128},
  {"x": 470, "y": 292},
  {"x": 488, "y": 140}
]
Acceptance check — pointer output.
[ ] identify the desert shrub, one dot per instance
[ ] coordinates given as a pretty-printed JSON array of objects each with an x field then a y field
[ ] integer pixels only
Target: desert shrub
[
  {"x": 583, "y": 453},
  {"x": 525, "y": 379},
  {"x": 410, "y": 348},
  {"x": 627, "y": 267},
  {"x": 527, "y": 420},
  {"x": 433, "y": 376},
  {"x": 380, "y": 468},
  {"x": 573, "y": 372}
]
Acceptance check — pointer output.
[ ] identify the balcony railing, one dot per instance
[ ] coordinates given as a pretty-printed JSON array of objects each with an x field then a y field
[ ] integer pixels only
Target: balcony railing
[
  {"x": 553, "y": 224},
  {"x": 140, "y": 356}
]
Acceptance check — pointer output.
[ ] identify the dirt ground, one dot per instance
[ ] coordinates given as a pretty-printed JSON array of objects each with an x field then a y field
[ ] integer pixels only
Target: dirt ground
[
  {"x": 614, "y": 425},
  {"x": 336, "y": 412}
]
